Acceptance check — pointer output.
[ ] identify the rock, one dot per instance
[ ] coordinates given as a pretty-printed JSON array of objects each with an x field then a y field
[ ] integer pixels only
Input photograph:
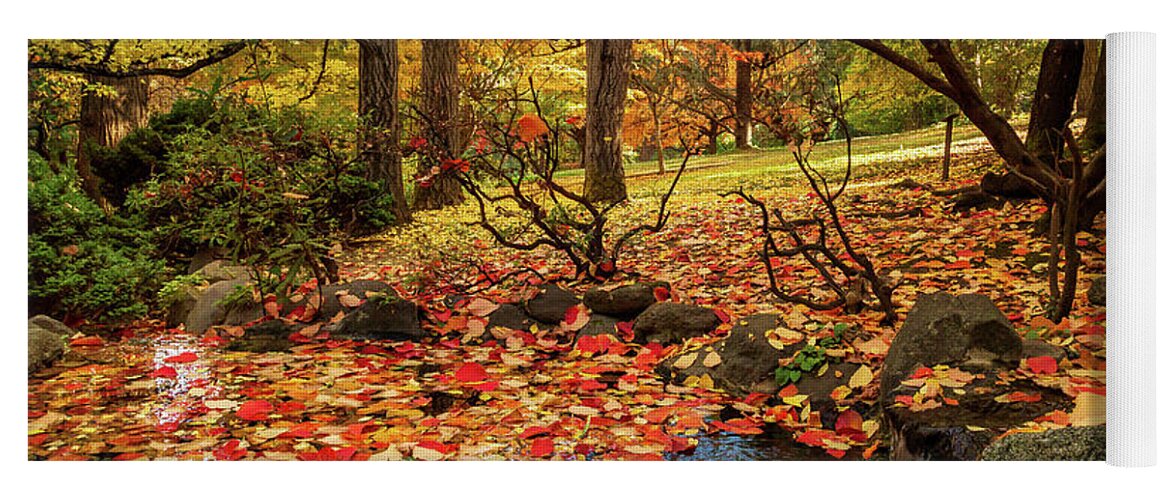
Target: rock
[
  {"x": 330, "y": 305},
  {"x": 672, "y": 322},
  {"x": 965, "y": 331},
  {"x": 748, "y": 362},
  {"x": 1008, "y": 185},
  {"x": 208, "y": 311},
  {"x": 978, "y": 200},
  {"x": 550, "y": 303},
  {"x": 222, "y": 270},
  {"x": 203, "y": 257},
  {"x": 46, "y": 341},
  {"x": 513, "y": 317},
  {"x": 266, "y": 336},
  {"x": 393, "y": 319},
  {"x": 601, "y": 324},
  {"x": 962, "y": 431},
  {"x": 1032, "y": 348},
  {"x": 51, "y": 325},
  {"x": 1097, "y": 293},
  {"x": 626, "y": 301},
  {"x": 819, "y": 387},
  {"x": 1070, "y": 443},
  {"x": 178, "y": 311}
]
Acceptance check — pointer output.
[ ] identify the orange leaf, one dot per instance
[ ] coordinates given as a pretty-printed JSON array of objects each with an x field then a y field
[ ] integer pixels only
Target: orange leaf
[
  {"x": 542, "y": 447},
  {"x": 530, "y": 127}
]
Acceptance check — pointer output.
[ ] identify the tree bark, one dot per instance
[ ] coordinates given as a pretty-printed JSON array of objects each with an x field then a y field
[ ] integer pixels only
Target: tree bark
[
  {"x": 105, "y": 120},
  {"x": 378, "y": 105},
  {"x": 1094, "y": 133},
  {"x": 1061, "y": 64},
  {"x": 743, "y": 105},
  {"x": 440, "y": 104},
  {"x": 607, "y": 75},
  {"x": 1089, "y": 73},
  {"x": 662, "y": 160}
]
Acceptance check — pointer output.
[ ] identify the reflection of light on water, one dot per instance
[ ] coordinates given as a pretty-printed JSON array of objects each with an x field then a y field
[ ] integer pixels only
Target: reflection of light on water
[{"x": 178, "y": 397}]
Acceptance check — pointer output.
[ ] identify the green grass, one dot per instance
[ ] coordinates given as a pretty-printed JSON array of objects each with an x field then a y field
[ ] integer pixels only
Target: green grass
[{"x": 738, "y": 166}]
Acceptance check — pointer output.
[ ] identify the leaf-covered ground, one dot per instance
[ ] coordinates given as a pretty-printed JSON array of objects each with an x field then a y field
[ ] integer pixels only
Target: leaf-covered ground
[{"x": 479, "y": 393}]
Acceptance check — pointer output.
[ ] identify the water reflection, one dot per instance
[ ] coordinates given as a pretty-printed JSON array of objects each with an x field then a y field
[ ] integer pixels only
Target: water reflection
[{"x": 181, "y": 397}]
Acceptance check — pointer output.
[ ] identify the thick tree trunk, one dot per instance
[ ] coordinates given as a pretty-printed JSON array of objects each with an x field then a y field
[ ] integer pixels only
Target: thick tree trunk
[
  {"x": 1089, "y": 73},
  {"x": 1061, "y": 64},
  {"x": 378, "y": 105},
  {"x": 1094, "y": 133},
  {"x": 744, "y": 99},
  {"x": 105, "y": 120},
  {"x": 440, "y": 103},
  {"x": 607, "y": 75}
]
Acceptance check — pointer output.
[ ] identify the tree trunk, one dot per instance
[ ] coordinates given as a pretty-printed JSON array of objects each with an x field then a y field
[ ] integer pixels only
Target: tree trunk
[
  {"x": 744, "y": 99},
  {"x": 1094, "y": 133},
  {"x": 657, "y": 121},
  {"x": 105, "y": 120},
  {"x": 607, "y": 75},
  {"x": 713, "y": 139},
  {"x": 1057, "y": 84},
  {"x": 1089, "y": 74},
  {"x": 440, "y": 104},
  {"x": 378, "y": 105}
]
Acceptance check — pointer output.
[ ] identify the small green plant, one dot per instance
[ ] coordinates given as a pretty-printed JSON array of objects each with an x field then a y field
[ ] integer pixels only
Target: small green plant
[
  {"x": 174, "y": 290},
  {"x": 811, "y": 357},
  {"x": 241, "y": 295}
]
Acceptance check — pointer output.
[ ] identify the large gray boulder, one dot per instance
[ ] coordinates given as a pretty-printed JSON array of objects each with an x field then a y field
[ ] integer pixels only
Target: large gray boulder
[
  {"x": 222, "y": 270},
  {"x": 208, "y": 310},
  {"x": 381, "y": 319},
  {"x": 1068, "y": 444},
  {"x": 967, "y": 331},
  {"x": 46, "y": 341},
  {"x": 747, "y": 360},
  {"x": 513, "y": 317},
  {"x": 672, "y": 322},
  {"x": 625, "y": 301},
  {"x": 550, "y": 303}
]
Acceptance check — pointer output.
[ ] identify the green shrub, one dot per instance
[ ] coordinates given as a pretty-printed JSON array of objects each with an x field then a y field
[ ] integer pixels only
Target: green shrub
[{"x": 80, "y": 261}]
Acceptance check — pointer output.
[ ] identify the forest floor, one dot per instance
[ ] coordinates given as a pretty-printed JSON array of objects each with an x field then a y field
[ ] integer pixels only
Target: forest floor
[{"x": 148, "y": 392}]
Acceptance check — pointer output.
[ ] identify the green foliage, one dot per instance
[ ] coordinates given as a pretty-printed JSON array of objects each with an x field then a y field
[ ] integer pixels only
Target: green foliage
[
  {"x": 810, "y": 358},
  {"x": 274, "y": 186},
  {"x": 80, "y": 261},
  {"x": 174, "y": 290}
]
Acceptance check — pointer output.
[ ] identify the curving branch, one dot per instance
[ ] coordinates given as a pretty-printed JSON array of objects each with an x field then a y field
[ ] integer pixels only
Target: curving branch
[{"x": 102, "y": 67}]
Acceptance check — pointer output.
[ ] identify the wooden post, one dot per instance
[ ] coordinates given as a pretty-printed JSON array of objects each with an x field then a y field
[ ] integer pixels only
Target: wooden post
[{"x": 947, "y": 146}]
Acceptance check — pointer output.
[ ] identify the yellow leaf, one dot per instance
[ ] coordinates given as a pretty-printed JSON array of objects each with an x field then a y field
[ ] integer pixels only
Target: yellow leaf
[
  {"x": 1088, "y": 409},
  {"x": 348, "y": 300},
  {"x": 712, "y": 359},
  {"x": 421, "y": 453},
  {"x": 685, "y": 361},
  {"x": 861, "y": 378}
]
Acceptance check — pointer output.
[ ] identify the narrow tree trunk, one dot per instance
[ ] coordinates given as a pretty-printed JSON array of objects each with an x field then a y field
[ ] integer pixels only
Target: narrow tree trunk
[
  {"x": 1057, "y": 83},
  {"x": 744, "y": 99},
  {"x": 713, "y": 139},
  {"x": 105, "y": 120},
  {"x": 1094, "y": 133},
  {"x": 378, "y": 105},
  {"x": 657, "y": 121},
  {"x": 947, "y": 148},
  {"x": 440, "y": 102},
  {"x": 1089, "y": 74},
  {"x": 607, "y": 75}
]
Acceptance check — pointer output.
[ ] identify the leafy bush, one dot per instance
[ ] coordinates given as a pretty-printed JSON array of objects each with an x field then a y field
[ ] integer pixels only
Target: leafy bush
[
  {"x": 80, "y": 261},
  {"x": 272, "y": 186}
]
